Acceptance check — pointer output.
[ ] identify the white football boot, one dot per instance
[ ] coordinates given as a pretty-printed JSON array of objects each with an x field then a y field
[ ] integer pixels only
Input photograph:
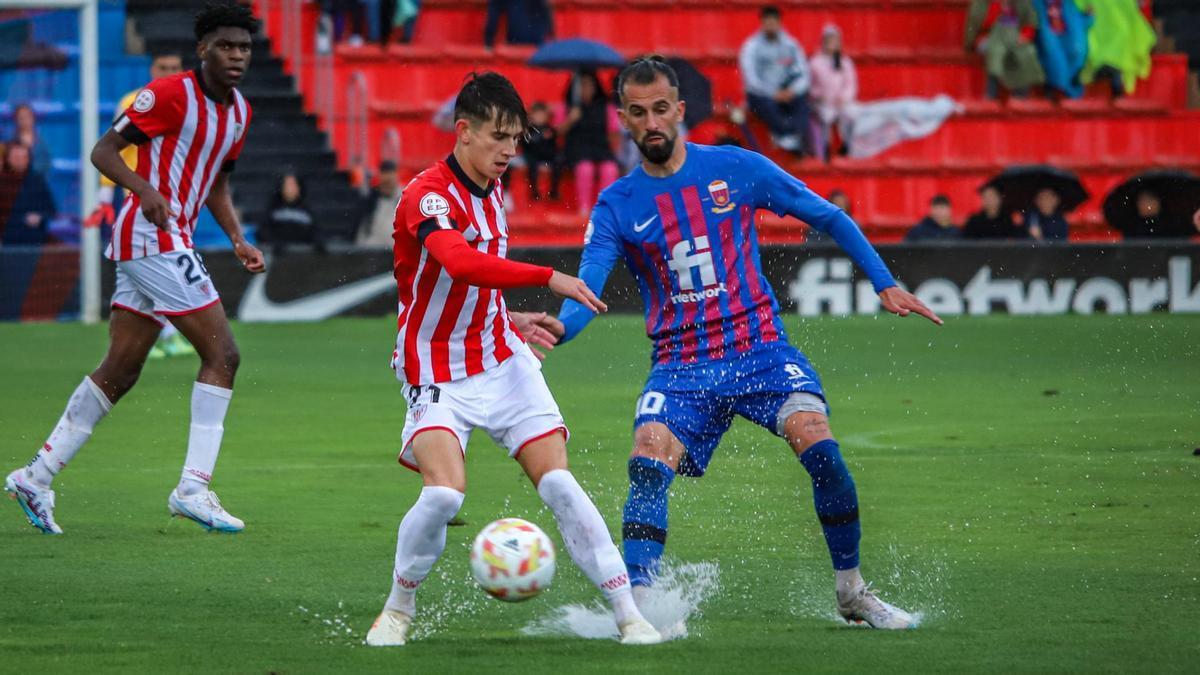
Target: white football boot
[
  {"x": 639, "y": 632},
  {"x": 35, "y": 500},
  {"x": 389, "y": 630},
  {"x": 862, "y": 605},
  {"x": 205, "y": 509}
]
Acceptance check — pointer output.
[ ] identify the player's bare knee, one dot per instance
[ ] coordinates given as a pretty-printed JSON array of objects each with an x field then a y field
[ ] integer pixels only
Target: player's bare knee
[
  {"x": 655, "y": 441},
  {"x": 805, "y": 429}
]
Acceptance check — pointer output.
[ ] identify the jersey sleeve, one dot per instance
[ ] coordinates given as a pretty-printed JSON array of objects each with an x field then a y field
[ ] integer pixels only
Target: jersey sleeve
[
  {"x": 601, "y": 250},
  {"x": 785, "y": 195},
  {"x": 425, "y": 209},
  {"x": 156, "y": 110}
]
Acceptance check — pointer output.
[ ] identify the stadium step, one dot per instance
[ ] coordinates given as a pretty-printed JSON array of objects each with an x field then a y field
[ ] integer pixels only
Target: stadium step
[{"x": 282, "y": 137}]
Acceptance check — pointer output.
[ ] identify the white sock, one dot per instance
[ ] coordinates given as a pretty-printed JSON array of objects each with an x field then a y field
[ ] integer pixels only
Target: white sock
[
  {"x": 209, "y": 404},
  {"x": 588, "y": 541},
  {"x": 848, "y": 580},
  {"x": 419, "y": 543},
  {"x": 86, "y": 407}
]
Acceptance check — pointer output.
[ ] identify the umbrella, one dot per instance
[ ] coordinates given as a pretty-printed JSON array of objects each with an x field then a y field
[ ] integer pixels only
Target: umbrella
[
  {"x": 1178, "y": 192},
  {"x": 1020, "y": 184},
  {"x": 695, "y": 89},
  {"x": 576, "y": 54}
]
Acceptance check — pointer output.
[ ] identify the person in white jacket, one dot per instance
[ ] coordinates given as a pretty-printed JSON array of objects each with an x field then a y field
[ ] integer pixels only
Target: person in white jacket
[{"x": 776, "y": 78}]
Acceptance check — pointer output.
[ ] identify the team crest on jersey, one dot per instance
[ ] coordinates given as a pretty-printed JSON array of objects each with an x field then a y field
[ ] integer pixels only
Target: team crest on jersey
[
  {"x": 719, "y": 191},
  {"x": 434, "y": 205},
  {"x": 144, "y": 101}
]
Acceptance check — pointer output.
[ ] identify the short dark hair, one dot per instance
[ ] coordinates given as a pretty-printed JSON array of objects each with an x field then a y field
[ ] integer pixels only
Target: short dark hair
[
  {"x": 538, "y": 105},
  {"x": 939, "y": 200},
  {"x": 386, "y": 166},
  {"x": 769, "y": 11},
  {"x": 165, "y": 53},
  {"x": 487, "y": 96},
  {"x": 645, "y": 70},
  {"x": 222, "y": 13}
]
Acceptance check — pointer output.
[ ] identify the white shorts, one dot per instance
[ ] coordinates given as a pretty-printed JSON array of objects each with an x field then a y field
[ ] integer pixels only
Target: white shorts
[
  {"x": 163, "y": 285},
  {"x": 511, "y": 402}
]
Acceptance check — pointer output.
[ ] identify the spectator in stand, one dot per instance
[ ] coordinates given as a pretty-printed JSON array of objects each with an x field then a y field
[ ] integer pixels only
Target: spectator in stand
[
  {"x": 288, "y": 219},
  {"x": 938, "y": 225},
  {"x": 32, "y": 204},
  {"x": 840, "y": 199},
  {"x": 400, "y": 14},
  {"x": 992, "y": 221},
  {"x": 540, "y": 148},
  {"x": 1119, "y": 44},
  {"x": 1003, "y": 32},
  {"x": 25, "y": 133},
  {"x": 1045, "y": 221},
  {"x": 834, "y": 89},
  {"x": 530, "y": 22},
  {"x": 1150, "y": 223},
  {"x": 589, "y": 130},
  {"x": 377, "y": 226},
  {"x": 776, "y": 78},
  {"x": 346, "y": 14}
]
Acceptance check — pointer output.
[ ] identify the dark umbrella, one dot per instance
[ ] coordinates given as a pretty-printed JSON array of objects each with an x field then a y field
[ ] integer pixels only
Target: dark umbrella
[
  {"x": 1020, "y": 184},
  {"x": 695, "y": 89},
  {"x": 576, "y": 54},
  {"x": 1177, "y": 191}
]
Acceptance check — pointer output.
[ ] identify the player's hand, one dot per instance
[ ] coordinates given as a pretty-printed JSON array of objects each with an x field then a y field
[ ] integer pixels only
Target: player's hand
[
  {"x": 251, "y": 257},
  {"x": 157, "y": 209},
  {"x": 900, "y": 302},
  {"x": 539, "y": 329},
  {"x": 567, "y": 286}
]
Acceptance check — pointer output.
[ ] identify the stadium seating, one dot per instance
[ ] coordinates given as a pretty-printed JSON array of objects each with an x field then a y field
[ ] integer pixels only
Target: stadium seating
[{"x": 902, "y": 47}]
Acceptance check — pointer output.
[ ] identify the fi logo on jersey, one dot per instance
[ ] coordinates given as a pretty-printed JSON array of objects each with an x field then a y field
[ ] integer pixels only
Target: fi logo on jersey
[{"x": 719, "y": 191}]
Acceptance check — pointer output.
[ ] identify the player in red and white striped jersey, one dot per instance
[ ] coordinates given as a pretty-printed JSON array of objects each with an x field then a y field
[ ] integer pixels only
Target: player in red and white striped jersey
[
  {"x": 189, "y": 129},
  {"x": 466, "y": 365}
]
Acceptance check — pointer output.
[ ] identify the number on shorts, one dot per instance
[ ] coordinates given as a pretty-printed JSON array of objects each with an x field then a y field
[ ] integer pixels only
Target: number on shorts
[
  {"x": 435, "y": 393},
  {"x": 189, "y": 274},
  {"x": 651, "y": 403}
]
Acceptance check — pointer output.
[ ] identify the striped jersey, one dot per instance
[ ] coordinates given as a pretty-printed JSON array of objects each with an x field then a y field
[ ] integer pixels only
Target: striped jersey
[
  {"x": 448, "y": 329},
  {"x": 184, "y": 137},
  {"x": 690, "y": 242}
]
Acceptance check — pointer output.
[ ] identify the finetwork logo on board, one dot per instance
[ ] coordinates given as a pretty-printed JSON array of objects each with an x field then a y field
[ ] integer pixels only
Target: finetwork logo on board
[{"x": 825, "y": 286}]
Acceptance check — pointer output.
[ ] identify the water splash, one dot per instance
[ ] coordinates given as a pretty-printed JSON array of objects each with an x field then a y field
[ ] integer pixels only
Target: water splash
[
  {"x": 335, "y": 627},
  {"x": 669, "y": 605}
]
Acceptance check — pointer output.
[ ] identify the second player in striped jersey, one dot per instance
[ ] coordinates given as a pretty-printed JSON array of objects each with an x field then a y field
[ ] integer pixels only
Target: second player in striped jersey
[{"x": 466, "y": 366}]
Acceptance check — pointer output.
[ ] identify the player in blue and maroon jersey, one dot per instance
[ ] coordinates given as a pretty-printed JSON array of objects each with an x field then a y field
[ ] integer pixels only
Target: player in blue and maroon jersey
[{"x": 683, "y": 222}]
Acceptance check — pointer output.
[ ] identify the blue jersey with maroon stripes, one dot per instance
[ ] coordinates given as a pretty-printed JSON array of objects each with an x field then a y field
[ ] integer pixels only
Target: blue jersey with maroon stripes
[{"x": 690, "y": 242}]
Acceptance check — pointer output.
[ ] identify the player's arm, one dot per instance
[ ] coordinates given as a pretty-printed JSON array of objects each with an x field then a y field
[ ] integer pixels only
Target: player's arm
[
  {"x": 601, "y": 250},
  {"x": 220, "y": 203},
  {"x": 783, "y": 194},
  {"x": 106, "y": 157},
  {"x": 466, "y": 264}
]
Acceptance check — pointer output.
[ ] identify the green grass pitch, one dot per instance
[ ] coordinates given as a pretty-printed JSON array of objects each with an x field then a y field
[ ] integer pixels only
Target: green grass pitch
[{"x": 1026, "y": 483}]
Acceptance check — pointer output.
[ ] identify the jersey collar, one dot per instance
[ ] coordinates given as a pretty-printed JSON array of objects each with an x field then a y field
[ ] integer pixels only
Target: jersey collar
[
  {"x": 208, "y": 93},
  {"x": 472, "y": 187}
]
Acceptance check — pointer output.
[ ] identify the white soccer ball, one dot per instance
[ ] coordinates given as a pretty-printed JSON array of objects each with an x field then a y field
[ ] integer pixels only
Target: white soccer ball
[{"x": 512, "y": 559}]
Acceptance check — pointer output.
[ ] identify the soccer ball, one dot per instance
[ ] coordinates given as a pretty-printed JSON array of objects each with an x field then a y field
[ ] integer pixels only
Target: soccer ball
[{"x": 512, "y": 559}]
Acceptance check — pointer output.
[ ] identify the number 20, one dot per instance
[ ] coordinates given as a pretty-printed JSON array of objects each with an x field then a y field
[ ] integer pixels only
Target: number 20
[{"x": 651, "y": 403}]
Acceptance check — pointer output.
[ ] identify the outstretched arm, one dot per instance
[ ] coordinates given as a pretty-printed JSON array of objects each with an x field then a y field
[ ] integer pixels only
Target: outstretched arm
[
  {"x": 784, "y": 194},
  {"x": 601, "y": 249},
  {"x": 464, "y": 263}
]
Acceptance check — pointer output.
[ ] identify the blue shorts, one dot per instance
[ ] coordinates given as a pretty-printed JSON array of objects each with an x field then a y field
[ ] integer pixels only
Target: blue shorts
[{"x": 697, "y": 402}]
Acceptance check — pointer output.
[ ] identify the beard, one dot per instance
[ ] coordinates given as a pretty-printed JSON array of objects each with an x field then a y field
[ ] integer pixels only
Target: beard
[{"x": 657, "y": 154}]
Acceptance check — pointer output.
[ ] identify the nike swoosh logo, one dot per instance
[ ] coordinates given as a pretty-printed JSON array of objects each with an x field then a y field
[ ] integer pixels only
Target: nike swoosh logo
[
  {"x": 641, "y": 226},
  {"x": 256, "y": 306}
]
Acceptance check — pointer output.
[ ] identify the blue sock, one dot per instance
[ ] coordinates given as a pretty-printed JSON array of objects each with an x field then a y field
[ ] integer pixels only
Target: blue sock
[
  {"x": 645, "y": 526},
  {"x": 836, "y": 501}
]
